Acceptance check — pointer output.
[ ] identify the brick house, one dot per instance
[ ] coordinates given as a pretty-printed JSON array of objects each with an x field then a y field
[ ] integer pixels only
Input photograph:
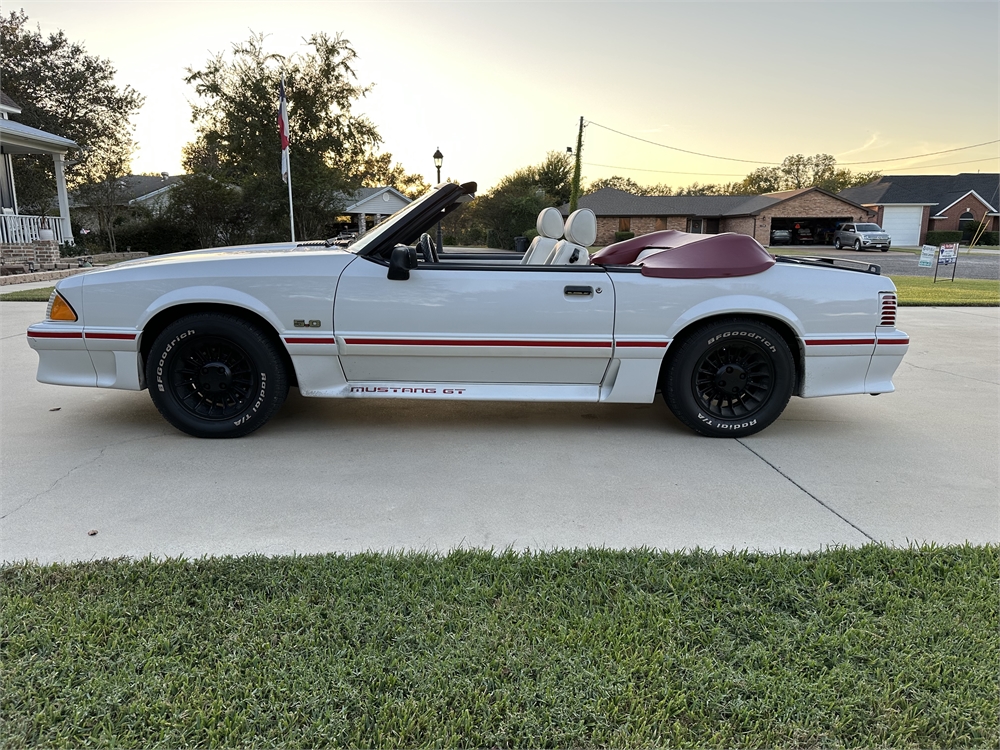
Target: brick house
[
  {"x": 907, "y": 206},
  {"x": 811, "y": 209}
]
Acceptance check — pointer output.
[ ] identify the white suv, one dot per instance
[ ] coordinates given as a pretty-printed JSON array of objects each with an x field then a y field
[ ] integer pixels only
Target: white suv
[{"x": 862, "y": 237}]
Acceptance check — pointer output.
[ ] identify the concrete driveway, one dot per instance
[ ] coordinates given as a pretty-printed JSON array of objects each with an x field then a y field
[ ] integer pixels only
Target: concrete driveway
[{"x": 917, "y": 465}]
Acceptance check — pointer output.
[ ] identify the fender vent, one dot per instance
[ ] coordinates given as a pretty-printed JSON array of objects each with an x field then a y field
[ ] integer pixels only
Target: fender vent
[{"x": 887, "y": 303}]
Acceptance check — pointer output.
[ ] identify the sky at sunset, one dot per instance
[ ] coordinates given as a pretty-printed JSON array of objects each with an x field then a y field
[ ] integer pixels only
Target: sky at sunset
[{"x": 495, "y": 85}]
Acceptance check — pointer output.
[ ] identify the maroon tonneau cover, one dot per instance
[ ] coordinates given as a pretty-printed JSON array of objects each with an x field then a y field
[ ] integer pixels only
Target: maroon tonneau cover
[{"x": 689, "y": 256}]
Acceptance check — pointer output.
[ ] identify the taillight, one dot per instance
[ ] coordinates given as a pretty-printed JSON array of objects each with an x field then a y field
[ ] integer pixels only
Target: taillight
[{"x": 887, "y": 305}]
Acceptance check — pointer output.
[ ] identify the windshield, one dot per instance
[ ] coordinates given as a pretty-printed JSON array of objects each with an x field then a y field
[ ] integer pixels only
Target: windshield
[
  {"x": 869, "y": 228},
  {"x": 377, "y": 231}
]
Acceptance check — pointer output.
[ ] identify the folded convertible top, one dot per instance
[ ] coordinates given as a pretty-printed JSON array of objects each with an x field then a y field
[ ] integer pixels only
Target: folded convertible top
[{"x": 680, "y": 255}]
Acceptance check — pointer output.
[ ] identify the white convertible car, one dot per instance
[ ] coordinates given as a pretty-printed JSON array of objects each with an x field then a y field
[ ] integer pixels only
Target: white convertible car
[{"x": 725, "y": 331}]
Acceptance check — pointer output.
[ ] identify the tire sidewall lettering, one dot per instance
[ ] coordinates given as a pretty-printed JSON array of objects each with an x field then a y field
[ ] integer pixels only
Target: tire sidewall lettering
[{"x": 747, "y": 335}]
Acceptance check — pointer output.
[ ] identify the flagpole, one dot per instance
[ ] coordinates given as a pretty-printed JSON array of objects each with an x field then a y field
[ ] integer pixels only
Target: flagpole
[
  {"x": 291, "y": 215},
  {"x": 286, "y": 161}
]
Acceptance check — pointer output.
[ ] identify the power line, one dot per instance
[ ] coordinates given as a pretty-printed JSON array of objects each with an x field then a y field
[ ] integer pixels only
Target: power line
[
  {"x": 949, "y": 164},
  {"x": 682, "y": 150},
  {"x": 778, "y": 164},
  {"x": 662, "y": 171},
  {"x": 721, "y": 174},
  {"x": 920, "y": 156}
]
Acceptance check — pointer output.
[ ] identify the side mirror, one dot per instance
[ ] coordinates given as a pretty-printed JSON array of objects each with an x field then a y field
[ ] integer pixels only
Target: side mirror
[{"x": 403, "y": 258}]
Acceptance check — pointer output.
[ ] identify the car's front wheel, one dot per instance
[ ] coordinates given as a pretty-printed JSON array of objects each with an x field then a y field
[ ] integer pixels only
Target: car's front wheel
[
  {"x": 729, "y": 378},
  {"x": 215, "y": 376},
  {"x": 857, "y": 245}
]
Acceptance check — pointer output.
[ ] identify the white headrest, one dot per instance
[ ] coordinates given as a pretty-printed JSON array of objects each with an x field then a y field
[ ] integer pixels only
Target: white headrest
[
  {"x": 550, "y": 223},
  {"x": 581, "y": 227}
]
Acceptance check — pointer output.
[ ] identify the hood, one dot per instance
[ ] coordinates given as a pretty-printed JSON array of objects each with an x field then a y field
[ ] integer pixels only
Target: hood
[{"x": 233, "y": 251}]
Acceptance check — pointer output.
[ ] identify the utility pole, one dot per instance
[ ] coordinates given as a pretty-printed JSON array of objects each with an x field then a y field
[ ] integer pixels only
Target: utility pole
[{"x": 574, "y": 196}]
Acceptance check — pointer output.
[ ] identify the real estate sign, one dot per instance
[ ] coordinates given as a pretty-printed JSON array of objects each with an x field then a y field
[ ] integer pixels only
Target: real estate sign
[{"x": 927, "y": 253}]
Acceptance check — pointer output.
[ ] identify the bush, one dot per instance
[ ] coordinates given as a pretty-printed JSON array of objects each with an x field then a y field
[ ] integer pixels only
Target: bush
[
  {"x": 622, "y": 236},
  {"x": 156, "y": 236},
  {"x": 989, "y": 238},
  {"x": 941, "y": 236}
]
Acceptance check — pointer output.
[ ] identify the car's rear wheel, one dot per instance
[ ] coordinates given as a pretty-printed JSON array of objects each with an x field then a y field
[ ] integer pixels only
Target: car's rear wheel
[
  {"x": 215, "y": 376},
  {"x": 730, "y": 378},
  {"x": 836, "y": 244}
]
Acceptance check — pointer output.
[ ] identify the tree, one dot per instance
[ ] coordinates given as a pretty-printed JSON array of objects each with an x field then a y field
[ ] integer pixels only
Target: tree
[
  {"x": 555, "y": 177},
  {"x": 615, "y": 182},
  {"x": 333, "y": 150},
  {"x": 795, "y": 172},
  {"x": 212, "y": 210},
  {"x": 63, "y": 90},
  {"x": 380, "y": 172},
  {"x": 762, "y": 180}
]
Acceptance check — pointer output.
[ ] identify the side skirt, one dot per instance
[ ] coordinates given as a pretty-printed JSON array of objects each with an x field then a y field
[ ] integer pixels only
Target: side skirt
[{"x": 474, "y": 391}]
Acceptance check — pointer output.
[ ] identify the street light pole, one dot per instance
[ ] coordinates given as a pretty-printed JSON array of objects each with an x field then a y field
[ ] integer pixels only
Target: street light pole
[{"x": 438, "y": 160}]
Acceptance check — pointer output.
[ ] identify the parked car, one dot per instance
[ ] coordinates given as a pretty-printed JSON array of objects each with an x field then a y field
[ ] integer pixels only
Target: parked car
[
  {"x": 781, "y": 237},
  {"x": 727, "y": 332},
  {"x": 862, "y": 237},
  {"x": 803, "y": 236}
]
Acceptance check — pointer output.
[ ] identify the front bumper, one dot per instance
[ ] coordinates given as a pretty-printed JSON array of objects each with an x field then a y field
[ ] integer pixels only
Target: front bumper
[{"x": 74, "y": 355}]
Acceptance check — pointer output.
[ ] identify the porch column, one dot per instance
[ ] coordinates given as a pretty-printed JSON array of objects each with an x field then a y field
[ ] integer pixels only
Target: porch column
[
  {"x": 67, "y": 231},
  {"x": 361, "y": 224}
]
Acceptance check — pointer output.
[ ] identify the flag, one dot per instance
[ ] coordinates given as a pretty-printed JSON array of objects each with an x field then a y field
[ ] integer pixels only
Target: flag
[{"x": 283, "y": 128}]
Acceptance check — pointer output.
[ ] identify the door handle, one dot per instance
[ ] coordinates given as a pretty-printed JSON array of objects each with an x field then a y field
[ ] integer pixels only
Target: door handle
[{"x": 578, "y": 291}]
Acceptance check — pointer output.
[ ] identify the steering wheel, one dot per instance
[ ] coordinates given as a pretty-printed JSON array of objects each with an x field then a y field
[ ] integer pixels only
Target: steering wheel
[{"x": 426, "y": 247}]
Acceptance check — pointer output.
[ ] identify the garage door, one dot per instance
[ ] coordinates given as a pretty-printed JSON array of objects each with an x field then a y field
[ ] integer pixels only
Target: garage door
[{"x": 903, "y": 224}]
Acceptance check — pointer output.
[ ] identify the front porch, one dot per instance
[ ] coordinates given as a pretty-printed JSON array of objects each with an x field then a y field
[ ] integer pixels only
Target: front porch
[{"x": 26, "y": 239}]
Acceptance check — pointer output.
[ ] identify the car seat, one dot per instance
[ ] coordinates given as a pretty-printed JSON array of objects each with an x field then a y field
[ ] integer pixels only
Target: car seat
[
  {"x": 580, "y": 232},
  {"x": 550, "y": 229}
]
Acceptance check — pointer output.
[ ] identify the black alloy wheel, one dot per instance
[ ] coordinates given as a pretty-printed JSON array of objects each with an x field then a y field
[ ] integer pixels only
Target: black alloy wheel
[
  {"x": 215, "y": 376},
  {"x": 729, "y": 378}
]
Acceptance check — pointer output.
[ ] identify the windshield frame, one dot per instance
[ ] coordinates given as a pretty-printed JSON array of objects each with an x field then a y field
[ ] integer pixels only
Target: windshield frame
[{"x": 421, "y": 213}]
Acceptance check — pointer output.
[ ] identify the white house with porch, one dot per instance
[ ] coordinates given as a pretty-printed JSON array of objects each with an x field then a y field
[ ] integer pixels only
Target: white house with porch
[
  {"x": 17, "y": 229},
  {"x": 378, "y": 203}
]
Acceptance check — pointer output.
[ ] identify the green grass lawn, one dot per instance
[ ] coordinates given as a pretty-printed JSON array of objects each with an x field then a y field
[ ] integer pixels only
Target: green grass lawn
[
  {"x": 869, "y": 647},
  {"x": 28, "y": 295},
  {"x": 921, "y": 290}
]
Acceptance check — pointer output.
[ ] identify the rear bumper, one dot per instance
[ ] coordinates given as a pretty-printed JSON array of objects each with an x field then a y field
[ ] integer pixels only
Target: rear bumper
[{"x": 890, "y": 348}]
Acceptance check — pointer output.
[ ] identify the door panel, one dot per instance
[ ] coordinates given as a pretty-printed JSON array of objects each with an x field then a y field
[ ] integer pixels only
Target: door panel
[{"x": 475, "y": 325}]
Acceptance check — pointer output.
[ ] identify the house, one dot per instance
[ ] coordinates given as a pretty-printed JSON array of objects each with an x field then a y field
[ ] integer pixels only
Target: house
[
  {"x": 378, "y": 203},
  {"x": 811, "y": 212},
  {"x": 149, "y": 191},
  {"x": 22, "y": 237},
  {"x": 908, "y": 206}
]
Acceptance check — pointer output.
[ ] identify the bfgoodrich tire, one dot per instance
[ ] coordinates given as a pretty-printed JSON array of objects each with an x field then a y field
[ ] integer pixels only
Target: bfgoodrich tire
[
  {"x": 215, "y": 376},
  {"x": 729, "y": 378}
]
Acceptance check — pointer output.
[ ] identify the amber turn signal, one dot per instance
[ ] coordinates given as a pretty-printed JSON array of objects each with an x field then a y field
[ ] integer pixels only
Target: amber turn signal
[{"x": 60, "y": 309}]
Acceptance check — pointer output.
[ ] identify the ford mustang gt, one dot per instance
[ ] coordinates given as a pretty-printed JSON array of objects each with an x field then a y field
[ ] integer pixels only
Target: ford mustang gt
[{"x": 726, "y": 332}]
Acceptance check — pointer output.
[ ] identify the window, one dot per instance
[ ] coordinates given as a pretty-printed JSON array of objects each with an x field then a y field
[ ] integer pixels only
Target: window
[
  {"x": 625, "y": 224},
  {"x": 694, "y": 226}
]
